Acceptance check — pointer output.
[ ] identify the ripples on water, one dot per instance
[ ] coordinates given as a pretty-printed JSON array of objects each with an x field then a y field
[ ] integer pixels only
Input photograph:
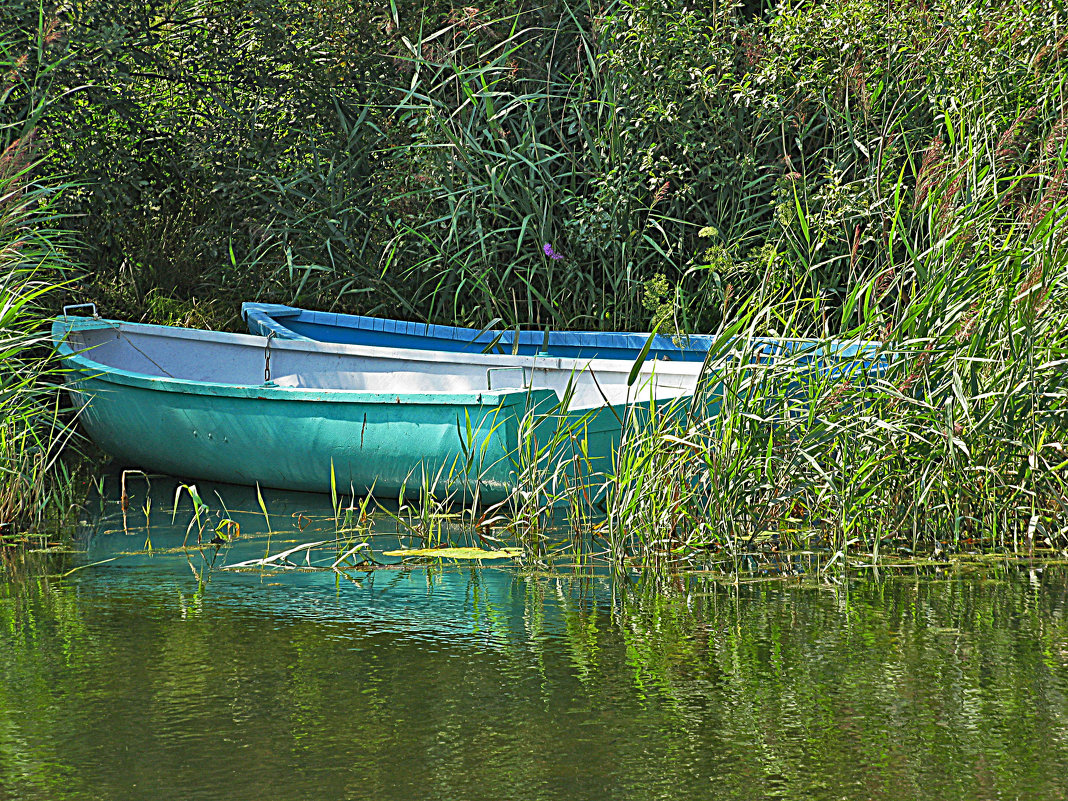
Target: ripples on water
[{"x": 128, "y": 680}]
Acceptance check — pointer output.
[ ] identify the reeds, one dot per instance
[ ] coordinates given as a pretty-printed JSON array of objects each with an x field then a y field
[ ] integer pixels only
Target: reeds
[
  {"x": 418, "y": 164},
  {"x": 948, "y": 436},
  {"x": 33, "y": 480},
  {"x": 34, "y": 483}
]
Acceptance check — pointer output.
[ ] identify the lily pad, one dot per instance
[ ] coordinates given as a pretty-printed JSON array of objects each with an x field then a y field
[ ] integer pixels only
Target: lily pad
[{"x": 458, "y": 553}]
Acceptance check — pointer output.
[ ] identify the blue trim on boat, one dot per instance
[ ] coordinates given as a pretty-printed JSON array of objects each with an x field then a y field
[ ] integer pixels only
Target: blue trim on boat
[
  {"x": 295, "y": 323},
  {"x": 290, "y": 322}
]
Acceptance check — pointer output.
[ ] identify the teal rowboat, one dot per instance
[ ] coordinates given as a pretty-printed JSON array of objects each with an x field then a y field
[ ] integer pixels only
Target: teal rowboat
[{"x": 305, "y": 415}]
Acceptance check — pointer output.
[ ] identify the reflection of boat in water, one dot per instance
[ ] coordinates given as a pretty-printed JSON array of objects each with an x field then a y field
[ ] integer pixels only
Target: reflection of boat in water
[
  {"x": 297, "y": 414},
  {"x": 455, "y": 602}
]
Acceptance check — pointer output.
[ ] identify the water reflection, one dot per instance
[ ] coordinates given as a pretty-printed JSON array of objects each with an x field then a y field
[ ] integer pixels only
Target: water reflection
[{"x": 134, "y": 679}]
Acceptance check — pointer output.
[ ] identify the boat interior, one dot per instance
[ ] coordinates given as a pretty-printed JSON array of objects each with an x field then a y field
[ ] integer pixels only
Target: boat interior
[{"x": 245, "y": 360}]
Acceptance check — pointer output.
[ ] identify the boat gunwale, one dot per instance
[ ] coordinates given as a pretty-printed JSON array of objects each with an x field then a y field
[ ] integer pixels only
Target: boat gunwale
[
  {"x": 265, "y": 314},
  {"x": 105, "y": 372},
  {"x": 572, "y": 364}
]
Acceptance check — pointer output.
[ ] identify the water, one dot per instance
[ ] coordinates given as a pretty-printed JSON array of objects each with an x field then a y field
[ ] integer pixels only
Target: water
[{"x": 132, "y": 680}]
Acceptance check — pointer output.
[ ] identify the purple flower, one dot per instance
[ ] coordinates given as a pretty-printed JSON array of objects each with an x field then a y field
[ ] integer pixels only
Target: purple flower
[{"x": 552, "y": 254}]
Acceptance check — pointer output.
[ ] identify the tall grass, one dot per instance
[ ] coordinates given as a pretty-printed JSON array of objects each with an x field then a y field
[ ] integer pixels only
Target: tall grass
[
  {"x": 955, "y": 441},
  {"x": 679, "y": 158},
  {"x": 34, "y": 483},
  {"x": 678, "y": 161}
]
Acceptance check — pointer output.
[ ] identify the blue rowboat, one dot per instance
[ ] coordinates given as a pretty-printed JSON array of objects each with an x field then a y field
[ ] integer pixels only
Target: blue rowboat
[
  {"x": 296, "y": 414},
  {"x": 833, "y": 358},
  {"x": 294, "y": 323}
]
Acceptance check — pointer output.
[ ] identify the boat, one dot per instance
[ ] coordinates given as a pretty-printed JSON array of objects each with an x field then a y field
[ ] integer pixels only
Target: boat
[
  {"x": 291, "y": 322},
  {"x": 834, "y": 357},
  {"x": 305, "y": 415}
]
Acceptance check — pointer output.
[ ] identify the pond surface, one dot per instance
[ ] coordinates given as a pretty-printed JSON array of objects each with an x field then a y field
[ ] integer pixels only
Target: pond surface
[{"x": 131, "y": 679}]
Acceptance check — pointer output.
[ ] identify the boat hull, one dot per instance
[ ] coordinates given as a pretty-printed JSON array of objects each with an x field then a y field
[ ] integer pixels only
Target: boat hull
[{"x": 357, "y": 446}]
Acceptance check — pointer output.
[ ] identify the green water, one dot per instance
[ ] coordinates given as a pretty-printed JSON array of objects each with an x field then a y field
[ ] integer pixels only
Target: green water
[{"x": 132, "y": 680}]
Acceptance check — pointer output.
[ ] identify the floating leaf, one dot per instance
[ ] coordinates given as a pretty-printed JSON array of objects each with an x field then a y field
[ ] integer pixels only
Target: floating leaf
[{"x": 459, "y": 553}]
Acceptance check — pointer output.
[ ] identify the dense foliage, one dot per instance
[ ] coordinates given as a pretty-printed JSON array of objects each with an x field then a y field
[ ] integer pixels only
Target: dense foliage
[
  {"x": 891, "y": 171},
  {"x": 415, "y": 158}
]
